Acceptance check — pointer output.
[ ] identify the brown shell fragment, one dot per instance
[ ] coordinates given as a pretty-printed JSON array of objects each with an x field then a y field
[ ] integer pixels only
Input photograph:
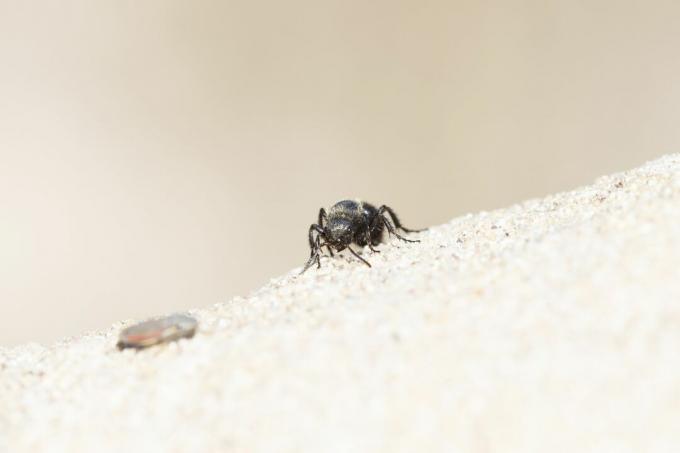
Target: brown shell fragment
[{"x": 157, "y": 330}]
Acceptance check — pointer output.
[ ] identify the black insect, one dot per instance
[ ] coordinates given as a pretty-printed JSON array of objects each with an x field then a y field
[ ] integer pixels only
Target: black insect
[{"x": 352, "y": 222}]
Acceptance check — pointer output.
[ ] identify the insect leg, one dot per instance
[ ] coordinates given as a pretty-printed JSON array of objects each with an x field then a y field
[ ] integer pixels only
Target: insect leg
[
  {"x": 314, "y": 256},
  {"x": 320, "y": 232},
  {"x": 369, "y": 241},
  {"x": 390, "y": 227},
  {"x": 357, "y": 255},
  {"x": 323, "y": 221},
  {"x": 395, "y": 219},
  {"x": 323, "y": 217},
  {"x": 314, "y": 246}
]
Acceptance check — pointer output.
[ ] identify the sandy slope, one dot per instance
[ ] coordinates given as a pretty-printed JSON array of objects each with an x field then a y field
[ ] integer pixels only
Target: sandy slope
[{"x": 553, "y": 325}]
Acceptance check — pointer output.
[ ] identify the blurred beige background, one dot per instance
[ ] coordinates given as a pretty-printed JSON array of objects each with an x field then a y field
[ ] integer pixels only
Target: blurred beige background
[{"x": 162, "y": 155}]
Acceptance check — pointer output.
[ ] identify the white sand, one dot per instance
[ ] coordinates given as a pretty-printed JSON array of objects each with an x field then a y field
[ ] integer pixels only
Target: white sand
[{"x": 549, "y": 326}]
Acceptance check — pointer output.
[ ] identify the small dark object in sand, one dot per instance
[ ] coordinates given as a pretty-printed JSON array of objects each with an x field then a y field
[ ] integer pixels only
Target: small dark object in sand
[
  {"x": 352, "y": 222},
  {"x": 156, "y": 331}
]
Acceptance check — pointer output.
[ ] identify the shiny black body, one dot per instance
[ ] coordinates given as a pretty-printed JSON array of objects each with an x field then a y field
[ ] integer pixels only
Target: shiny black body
[{"x": 352, "y": 222}]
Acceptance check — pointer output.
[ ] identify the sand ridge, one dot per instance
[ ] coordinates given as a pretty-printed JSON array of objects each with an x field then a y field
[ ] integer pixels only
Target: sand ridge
[{"x": 551, "y": 325}]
